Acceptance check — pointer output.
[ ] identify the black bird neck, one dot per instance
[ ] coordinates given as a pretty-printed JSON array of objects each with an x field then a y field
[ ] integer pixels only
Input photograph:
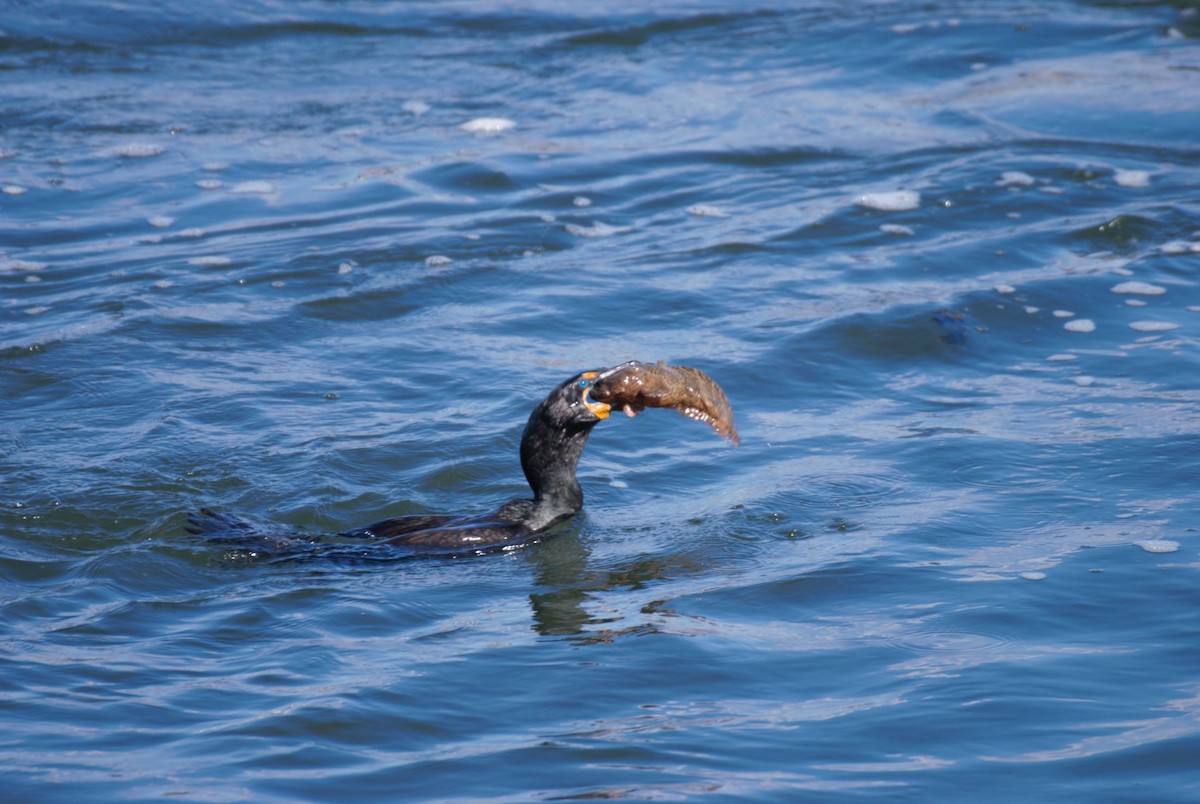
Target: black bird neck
[{"x": 550, "y": 448}]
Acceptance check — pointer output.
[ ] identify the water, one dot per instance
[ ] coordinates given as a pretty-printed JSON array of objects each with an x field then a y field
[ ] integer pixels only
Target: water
[{"x": 942, "y": 256}]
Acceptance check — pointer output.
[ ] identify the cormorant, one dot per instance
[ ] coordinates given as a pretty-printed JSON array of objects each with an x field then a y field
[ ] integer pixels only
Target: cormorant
[{"x": 551, "y": 444}]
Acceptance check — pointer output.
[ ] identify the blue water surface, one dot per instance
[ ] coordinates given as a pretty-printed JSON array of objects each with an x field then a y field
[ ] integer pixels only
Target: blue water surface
[{"x": 313, "y": 263}]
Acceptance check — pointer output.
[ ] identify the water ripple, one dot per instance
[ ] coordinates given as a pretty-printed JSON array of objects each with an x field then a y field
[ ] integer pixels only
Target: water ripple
[{"x": 313, "y": 266}]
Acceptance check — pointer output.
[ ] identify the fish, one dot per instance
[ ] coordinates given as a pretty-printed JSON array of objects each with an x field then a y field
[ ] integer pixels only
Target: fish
[{"x": 635, "y": 386}]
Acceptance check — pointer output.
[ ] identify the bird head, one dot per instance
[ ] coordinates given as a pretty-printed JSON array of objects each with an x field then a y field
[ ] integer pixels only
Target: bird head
[{"x": 576, "y": 394}]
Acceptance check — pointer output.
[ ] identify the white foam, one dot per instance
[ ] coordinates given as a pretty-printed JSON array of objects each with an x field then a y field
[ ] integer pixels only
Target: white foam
[
  {"x": 192, "y": 232},
  {"x": 1194, "y": 308},
  {"x": 346, "y": 267},
  {"x": 1175, "y": 247},
  {"x": 1143, "y": 288},
  {"x": 1031, "y": 310},
  {"x": 437, "y": 260},
  {"x": 209, "y": 184},
  {"x": 1063, "y": 314},
  {"x": 1015, "y": 178},
  {"x": 13, "y": 189},
  {"x": 905, "y": 28},
  {"x": 1034, "y": 576},
  {"x": 257, "y": 186},
  {"x": 1061, "y": 357},
  {"x": 897, "y": 201},
  {"x": 160, "y": 221},
  {"x": 581, "y": 201},
  {"x": 1005, "y": 289},
  {"x": 215, "y": 167},
  {"x": 1158, "y": 545},
  {"x": 33, "y": 278},
  {"x": 1080, "y": 325},
  {"x": 415, "y": 107},
  {"x": 897, "y": 229},
  {"x": 210, "y": 261},
  {"x": 36, "y": 310},
  {"x": 137, "y": 150},
  {"x": 488, "y": 125},
  {"x": 1132, "y": 178},
  {"x": 597, "y": 229},
  {"x": 1084, "y": 380},
  {"x": 705, "y": 211},
  {"x": 1153, "y": 326},
  {"x": 21, "y": 265}
]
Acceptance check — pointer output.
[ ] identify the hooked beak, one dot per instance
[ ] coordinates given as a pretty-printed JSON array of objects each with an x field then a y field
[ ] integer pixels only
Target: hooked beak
[{"x": 598, "y": 409}]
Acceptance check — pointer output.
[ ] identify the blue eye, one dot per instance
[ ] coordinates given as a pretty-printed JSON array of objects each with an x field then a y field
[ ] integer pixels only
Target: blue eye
[{"x": 583, "y": 383}]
